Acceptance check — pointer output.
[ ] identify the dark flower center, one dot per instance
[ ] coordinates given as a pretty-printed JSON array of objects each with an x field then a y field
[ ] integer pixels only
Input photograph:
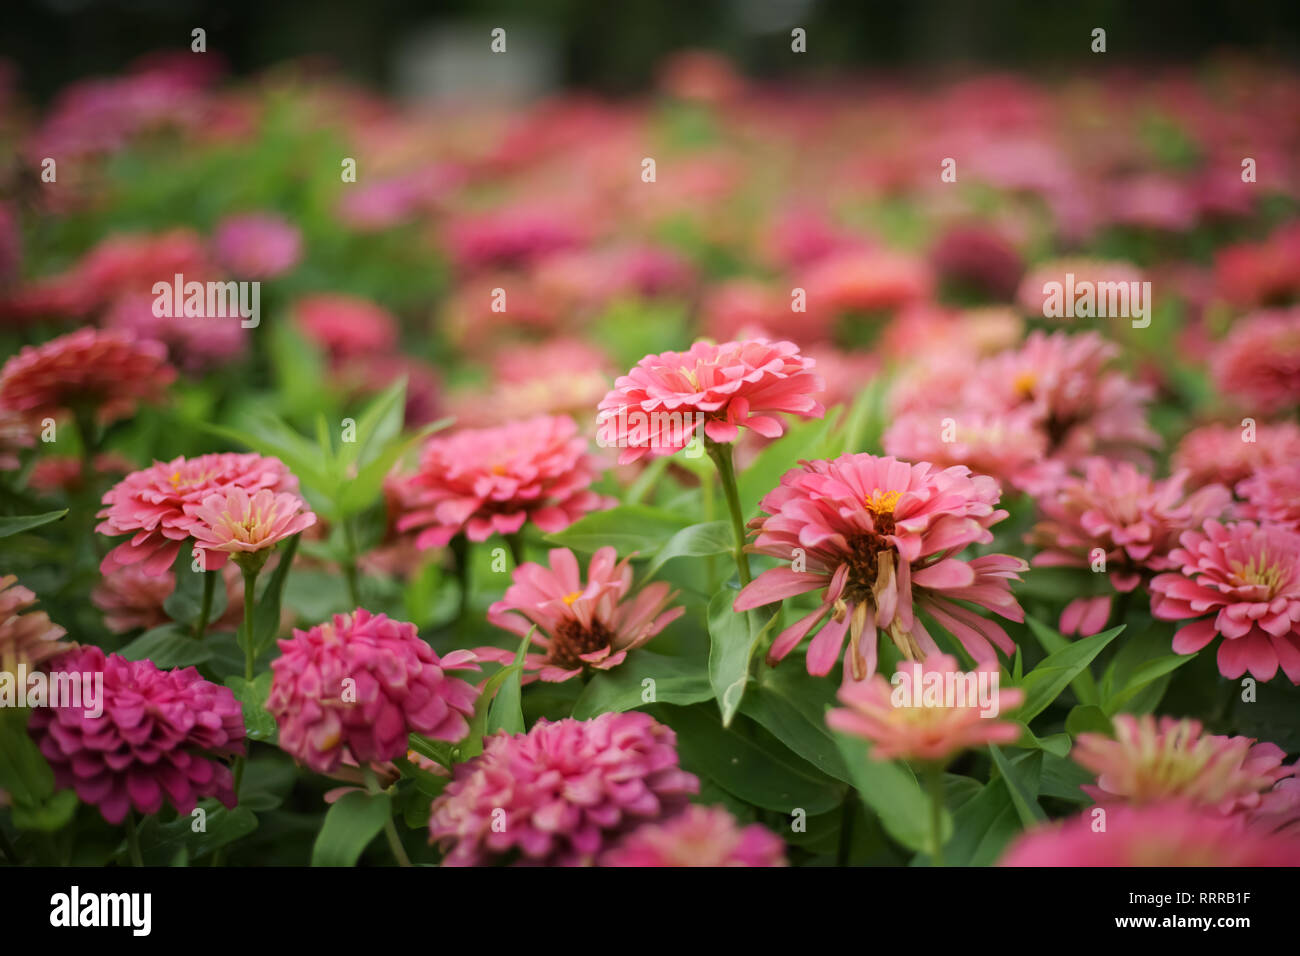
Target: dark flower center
[{"x": 571, "y": 640}]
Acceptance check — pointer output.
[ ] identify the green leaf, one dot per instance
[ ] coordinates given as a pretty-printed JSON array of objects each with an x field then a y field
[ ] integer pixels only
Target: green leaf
[
  {"x": 1087, "y": 719},
  {"x": 699, "y": 540},
  {"x": 1085, "y": 688},
  {"x": 186, "y": 600},
  {"x": 1021, "y": 777},
  {"x": 982, "y": 827},
  {"x": 732, "y": 638},
  {"x": 258, "y": 723},
  {"x": 362, "y": 491},
  {"x": 630, "y": 529},
  {"x": 890, "y": 790},
  {"x": 54, "y": 814},
  {"x": 1058, "y": 744},
  {"x": 1045, "y": 682},
  {"x": 473, "y": 743},
  {"x": 161, "y": 842},
  {"x": 506, "y": 712},
  {"x": 802, "y": 440},
  {"x": 378, "y": 425},
  {"x": 167, "y": 646},
  {"x": 784, "y": 718},
  {"x": 676, "y": 681},
  {"x": 350, "y": 825},
  {"x": 266, "y": 615},
  {"x": 16, "y": 524}
]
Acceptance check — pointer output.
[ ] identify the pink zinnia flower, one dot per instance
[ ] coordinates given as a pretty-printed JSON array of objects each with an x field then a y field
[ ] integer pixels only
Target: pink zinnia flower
[
  {"x": 232, "y": 521},
  {"x": 1004, "y": 445},
  {"x": 1260, "y": 274},
  {"x": 108, "y": 373},
  {"x": 26, "y": 636},
  {"x": 1133, "y": 519},
  {"x": 163, "y": 736},
  {"x": 868, "y": 280},
  {"x": 879, "y": 537},
  {"x": 345, "y": 326},
  {"x": 1248, "y": 576},
  {"x": 17, "y": 432},
  {"x": 579, "y": 625},
  {"x": 1273, "y": 494},
  {"x": 1169, "y": 834},
  {"x": 1228, "y": 453},
  {"x": 155, "y": 505},
  {"x": 62, "y": 473},
  {"x": 400, "y": 686},
  {"x": 1032, "y": 299},
  {"x": 193, "y": 344},
  {"x": 1258, "y": 364},
  {"x": 257, "y": 246},
  {"x": 721, "y": 386},
  {"x": 699, "y": 836},
  {"x": 916, "y": 727},
  {"x": 482, "y": 481},
  {"x": 1150, "y": 761},
  {"x": 562, "y": 793},
  {"x": 132, "y": 598}
]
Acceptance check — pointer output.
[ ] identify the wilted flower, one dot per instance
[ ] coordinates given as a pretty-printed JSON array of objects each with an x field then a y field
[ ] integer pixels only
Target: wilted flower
[
  {"x": 879, "y": 536},
  {"x": 257, "y": 245},
  {"x": 579, "y": 626},
  {"x": 26, "y": 636},
  {"x": 1258, "y": 364},
  {"x": 930, "y": 712},
  {"x": 560, "y": 794},
  {"x": 358, "y": 686},
  {"x": 492, "y": 480},
  {"x": 698, "y": 836},
  {"x": 1248, "y": 576},
  {"x": 162, "y": 736}
]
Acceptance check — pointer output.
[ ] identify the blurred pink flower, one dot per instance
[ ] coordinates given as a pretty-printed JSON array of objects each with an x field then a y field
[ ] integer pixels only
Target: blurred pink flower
[
  {"x": 879, "y": 537},
  {"x": 560, "y": 794},
  {"x": 1248, "y": 575},
  {"x": 579, "y": 626},
  {"x": 257, "y": 245},
  {"x": 1258, "y": 365},
  {"x": 979, "y": 258},
  {"x": 399, "y": 687},
  {"x": 865, "y": 282},
  {"x": 511, "y": 235},
  {"x": 1003, "y": 445},
  {"x": 1261, "y": 274},
  {"x": 27, "y": 637},
  {"x": 1228, "y": 453},
  {"x": 1273, "y": 494},
  {"x": 698, "y": 836},
  {"x": 131, "y": 598},
  {"x": 193, "y": 344},
  {"x": 1031, "y": 297},
  {"x": 345, "y": 325}
]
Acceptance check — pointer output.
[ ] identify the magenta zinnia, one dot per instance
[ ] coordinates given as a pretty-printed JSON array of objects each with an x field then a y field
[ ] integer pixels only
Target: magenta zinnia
[
  {"x": 879, "y": 537},
  {"x": 579, "y": 625},
  {"x": 560, "y": 794},
  {"x": 397, "y": 686},
  {"x": 162, "y": 736}
]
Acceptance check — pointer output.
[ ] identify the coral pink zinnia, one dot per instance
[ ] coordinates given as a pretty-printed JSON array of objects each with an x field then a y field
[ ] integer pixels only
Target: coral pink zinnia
[
  {"x": 162, "y": 736},
  {"x": 657, "y": 407},
  {"x": 579, "y": 625},
  {"x": 1247, "y": 576},
  {"x": 492, "y": 480},
  {"x": 879, "y": 537},
  {"x": 699, "y": 836},
  {"x": 562, "y": 793},
  {"x": 1229, "y": 453},
  {"x": 104, "y": 373},
  {"x": 234, "y": 522},
  {"x": 917, "y": 717},
  {"x": 400, "y": 686},
  {"x": 155, "y": 505},
  {"x": 1258, "y": 364}
]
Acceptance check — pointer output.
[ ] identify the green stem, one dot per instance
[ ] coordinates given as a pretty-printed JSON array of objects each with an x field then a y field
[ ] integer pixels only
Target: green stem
[
  {"x": 516, "y": 544},
  {"x": 721, "y": 455},
  {"x": 250, "y": 636},
  {"x": 350, "y": 564},
  {"x": 461, "y": 553},
  {"x": 205, "y": 608},
  {"x": 133, "y": 840},
  {"x": 846, "y": 830},
  {"x": 934, "y": 776},
  {"x": 390, "y": 831}
]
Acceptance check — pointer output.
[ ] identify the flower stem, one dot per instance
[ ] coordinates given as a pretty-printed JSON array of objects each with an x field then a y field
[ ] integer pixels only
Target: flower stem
[
  {"x": 350, "y": 564},
  {"x": 250, "y": 651},
  {"x": 205, "y": 608},
  {"x": 461, "y": 552},
  {"x": 390, "y": 831},
  {"x": 133, "y": 840},
  {"x": 934, "y": 775},
  {"x": 516, "y": 544},
  {"x": 721, "y": 455}
]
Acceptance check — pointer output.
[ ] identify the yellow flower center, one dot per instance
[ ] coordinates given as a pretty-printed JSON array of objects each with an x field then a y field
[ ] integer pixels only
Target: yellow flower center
[
  {"x": 498, "y": 469},
  {"x": 883, "y": 502},
  {"x": 1260, "y": 572},
  {"x": 1024, "y": 383},
  {"x": 571, "y": 597}
]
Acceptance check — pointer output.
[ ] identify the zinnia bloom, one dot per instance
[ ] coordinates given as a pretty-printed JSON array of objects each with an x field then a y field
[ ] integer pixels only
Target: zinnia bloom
[
  {"x": 1153, "y": 761},
  {"x": 155, "y": 505},
  {"x": 257, "y": 246},
  {"x": 132, "y": 598},
  {"x": 492, "y": 480},
  {"x": 234, "y": 522},
  {"x": 1273, "y": 494},
  {"x": 699, "y": 836},
  {"x": 721, "y": 386},
  {"x": 104, "y": 372},
  {"x": 345, "y": 326},
  {"x": 1248, "y": 575},
  {"x": 26, "y": 636},
  {"x": 1228, "y": 453},
  {"x": 399, "y": 687},
  {"x": 879, "y": 537},
  {"x": 1133, "y": 519},
  {"x": 931, "y": 711},
  {"x": 1258, "y": 364},
  {"x": 163, "y": 736},
  {"x": 560, "y": 794},
  {"x": 193, "y": 344},
  {"x": 1168, "y": 834},
  {"x": 579, "y": 625}
]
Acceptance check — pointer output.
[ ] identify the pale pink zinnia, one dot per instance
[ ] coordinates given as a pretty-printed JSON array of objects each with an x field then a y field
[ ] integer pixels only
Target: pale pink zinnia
[
  {"x": 879, "y": 537},
  {"x": 699, "y": 836},
  {"x": 101, "y": 373},
  {"x": 1122, "y": 515},
  {"x": 1246, "y": 576},
  {"x": 400, "y": 686},
  {"x": 257, "y": 245},
  {"x": 482, "y": 481},
  {"x": 659, "y": 405},
  {"x": 155, "y": 505},
  {"x": 924, "y": 724},
  {"x": 560, "y": 794},
  {"x": 163, "y": 737},
  {"x": 235, "y": 522},
  {"x": 579, "y": 625},
  {"x": 131, "y": 598},
  {"x": 1273, "y": 494},
  {"x": 1152, "y": 760},
  {"x": 1258, "y": 364},
  {"x": 26, "y": 636}
]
